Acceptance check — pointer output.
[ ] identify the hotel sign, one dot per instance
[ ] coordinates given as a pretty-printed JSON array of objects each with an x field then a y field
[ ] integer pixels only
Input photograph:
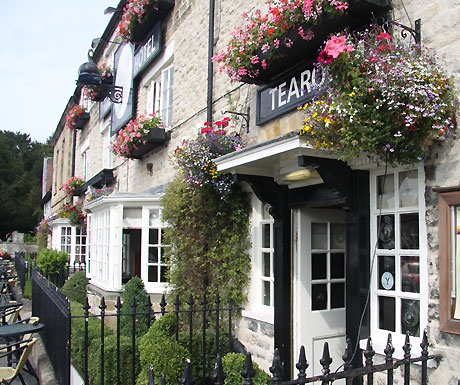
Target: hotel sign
[
  {"x": 148, "y": 50},
  {"x": 288, "y": 92}
]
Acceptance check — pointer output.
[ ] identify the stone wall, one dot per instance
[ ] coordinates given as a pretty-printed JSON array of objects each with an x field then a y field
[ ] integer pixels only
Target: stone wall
[
  {"x": 440, "y": 30},
  {"x": 258, "y": 338}
]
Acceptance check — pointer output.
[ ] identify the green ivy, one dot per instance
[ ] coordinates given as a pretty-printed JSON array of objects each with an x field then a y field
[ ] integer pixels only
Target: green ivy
[{"x": 209, "y": 238}]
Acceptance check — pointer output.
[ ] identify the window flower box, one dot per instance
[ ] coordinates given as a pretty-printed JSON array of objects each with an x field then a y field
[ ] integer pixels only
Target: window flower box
[
  {"x": 140, "y": 136},
  {"x": 156, "y": 138},
  {"x": 287, "y": 40}
]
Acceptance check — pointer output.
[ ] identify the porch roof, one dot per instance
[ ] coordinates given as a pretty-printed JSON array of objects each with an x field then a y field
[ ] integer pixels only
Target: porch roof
[{"x": 125, "y": 198}]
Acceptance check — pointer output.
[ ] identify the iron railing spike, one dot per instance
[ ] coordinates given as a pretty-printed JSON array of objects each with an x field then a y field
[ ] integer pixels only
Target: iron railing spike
[
  {"x": 163, "y": 304},
  {"x": 276, "y": 367},
  {"x": 151, "y": 377},
  {"x": 347, "y": 354},
  {"x": 162, "y": 379},
  {"x": 326, "y": 359},
  {"x": 369, "y": 352},
  {"x": 248, "y": 372},
  {"x": 302, "y": 365},
  {"x": 219, "y": 376},
  {"x": 187, "y": 378}
]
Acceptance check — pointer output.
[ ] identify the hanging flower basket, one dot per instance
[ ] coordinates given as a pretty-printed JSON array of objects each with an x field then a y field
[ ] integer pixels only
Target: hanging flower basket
[
  {"x": 77, "y": 117},
  {"x": 385, "y": 99},
  {"x": 140, "y": 16},
  {"x": 73, "y": 187},
  {"x": 75, "y": 213},
  {"x": 291, "y": 31},
  {"x": 140, "y": 136}
]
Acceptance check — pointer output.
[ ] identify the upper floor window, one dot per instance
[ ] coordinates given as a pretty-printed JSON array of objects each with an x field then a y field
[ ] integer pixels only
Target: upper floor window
[
  {"x": 398, "y": 253},
  {"x": 162, "y": 96}
]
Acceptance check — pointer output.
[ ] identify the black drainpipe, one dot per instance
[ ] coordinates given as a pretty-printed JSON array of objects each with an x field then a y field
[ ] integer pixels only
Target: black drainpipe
[
  {"x": 210, "y": 66},
  {"x": 74, "y": 151}
]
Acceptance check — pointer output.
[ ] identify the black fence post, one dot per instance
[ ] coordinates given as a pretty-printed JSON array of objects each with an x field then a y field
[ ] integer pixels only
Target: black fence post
[
  {"x": 204, "y": 303},
  {"x": 424, "y": 346},
  {"x": 118, "y": 308},
  {"x": 217, "y": 323},
  {"x": 219, "y": 376},
  {"x": 102, "y": 307},
  {"x": 407, "y": 348},
  {"x": 133, "y": 344},
  {"x": 389, "y": 350},
  {"x": 190, "y": 324},
  {"x": 86, "y": 308},
  {"x": 248, "y": 372},
  {"x": 369, "y": 354}
]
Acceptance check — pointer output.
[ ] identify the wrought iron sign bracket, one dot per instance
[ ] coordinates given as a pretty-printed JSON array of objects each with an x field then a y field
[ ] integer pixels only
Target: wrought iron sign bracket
[
  {"x": 415, "y": 32},
  {"x": 114, "y": 93},
  {"x": 244, "y": 116}
]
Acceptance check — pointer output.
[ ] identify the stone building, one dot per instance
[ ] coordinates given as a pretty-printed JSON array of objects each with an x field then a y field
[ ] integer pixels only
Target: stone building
[{"x": 305, "y": 203}]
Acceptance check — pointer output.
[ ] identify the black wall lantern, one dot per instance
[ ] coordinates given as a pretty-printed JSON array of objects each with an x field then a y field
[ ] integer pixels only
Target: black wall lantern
[{"x": 89, "y": 76}]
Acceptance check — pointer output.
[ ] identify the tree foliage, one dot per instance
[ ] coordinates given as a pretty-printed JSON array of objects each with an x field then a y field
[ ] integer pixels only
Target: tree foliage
[
  {"x": 21, "y": 164},
  {"x": 209, "y": 238}
]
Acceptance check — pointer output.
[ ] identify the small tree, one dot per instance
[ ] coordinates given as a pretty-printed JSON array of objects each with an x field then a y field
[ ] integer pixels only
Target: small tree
[
  {"x": 53, "y": 264},
  {"x": 134, "y": 288}
]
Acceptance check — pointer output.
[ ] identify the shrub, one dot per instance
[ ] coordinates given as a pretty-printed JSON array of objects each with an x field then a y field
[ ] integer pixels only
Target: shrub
[
  {"x": 233, "y": 364},
  {"x": 134, "y": 288},
  {"x": 78, "y": 339},
  {"x": 53, "y": 263},
  {"x": 75, "y": 287},
  {"x": 110, "y": 361},
  {"x": 159, "y": 348}
]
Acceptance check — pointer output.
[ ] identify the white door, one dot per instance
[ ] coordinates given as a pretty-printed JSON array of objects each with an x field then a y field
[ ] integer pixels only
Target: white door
[{"x": 319, "y": 285}]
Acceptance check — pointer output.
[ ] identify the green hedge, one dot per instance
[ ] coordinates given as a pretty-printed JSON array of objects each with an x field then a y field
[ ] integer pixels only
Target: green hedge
[{"x": 75, "y": 287}]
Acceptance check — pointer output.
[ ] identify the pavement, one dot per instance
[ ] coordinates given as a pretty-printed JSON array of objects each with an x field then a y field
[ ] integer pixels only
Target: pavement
[{"x": 38, "y": 358}]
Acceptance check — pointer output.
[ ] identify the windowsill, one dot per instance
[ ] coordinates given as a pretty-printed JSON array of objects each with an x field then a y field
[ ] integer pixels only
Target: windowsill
[
  {"x": 380, "y": 345},
  {"x": 263, "y": 316}
]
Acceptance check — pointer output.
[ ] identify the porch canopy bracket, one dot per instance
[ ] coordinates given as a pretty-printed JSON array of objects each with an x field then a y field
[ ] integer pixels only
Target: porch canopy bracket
[{"x": 335, "y": 174}]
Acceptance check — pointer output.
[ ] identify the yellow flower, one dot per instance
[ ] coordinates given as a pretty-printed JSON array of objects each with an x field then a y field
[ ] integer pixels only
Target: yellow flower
[{"x": 351, "y": 94}]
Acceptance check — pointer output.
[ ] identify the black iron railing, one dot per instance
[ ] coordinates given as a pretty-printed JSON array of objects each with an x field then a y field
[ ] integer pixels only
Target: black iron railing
[
  {"x": 53, "y": 309},
  {"x": 365, "y": 373}
]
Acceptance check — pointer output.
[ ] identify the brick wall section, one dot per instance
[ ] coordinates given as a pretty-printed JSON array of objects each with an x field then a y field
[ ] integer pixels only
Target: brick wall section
[{"x": 440, "y": 30}]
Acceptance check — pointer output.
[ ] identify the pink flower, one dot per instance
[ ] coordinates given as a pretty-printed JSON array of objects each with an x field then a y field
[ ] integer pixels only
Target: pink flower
[
  {"x": 254, "y": 59},
  {"x": 264, "y": 64},
  {"x": 242, "y": 71},
  {"x": 277, "y": 43},
  {"x": 336, "y": 45},
  {"x": 265, "y": 47}
]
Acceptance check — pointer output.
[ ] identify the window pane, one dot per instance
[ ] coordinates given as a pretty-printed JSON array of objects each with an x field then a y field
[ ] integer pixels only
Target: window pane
[
  {"x": 408, "y": 188},
  {"x": 409, "y": 231},
  {"x": 153, "y": 254},
  {"x": 153, "y": 236},
  {"x": 266, "y": 235},
  {"x": 387, "y": 313},
  {"x": 153, "y": 274},
  {"x": 410, "y": 317},
  {"x": 410, "y": 278},
  {"x": 266, "y": 293},
  {"x": 385, "y": 192},
  {"x": 337, "y": 295},
  {"x": 266, "y": 264},
  {"x": 319, "y": 266},
  {"x": 319, "y": 236},
  {"x": 387, "y": 273},
  {"x": 63, "y": 230},
  {"x": 337, "y": 265},
  {"x": 387, "y": 232},
  {"x": 162, "y": 236},
  {"x": 337, "y": 236},
  {"x": 319, "y": 297}
]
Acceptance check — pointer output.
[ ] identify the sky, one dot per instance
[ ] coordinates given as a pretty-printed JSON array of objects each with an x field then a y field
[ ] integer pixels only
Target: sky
[{"x": 42, "y": 45}]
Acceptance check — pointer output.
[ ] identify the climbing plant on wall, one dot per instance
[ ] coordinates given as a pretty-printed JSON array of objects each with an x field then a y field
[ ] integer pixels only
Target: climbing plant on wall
[{"x": 208, "y": 218}]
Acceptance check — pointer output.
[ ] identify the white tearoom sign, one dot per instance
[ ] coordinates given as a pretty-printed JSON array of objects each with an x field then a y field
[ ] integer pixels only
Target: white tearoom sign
[{"x": 288, "y": 92}]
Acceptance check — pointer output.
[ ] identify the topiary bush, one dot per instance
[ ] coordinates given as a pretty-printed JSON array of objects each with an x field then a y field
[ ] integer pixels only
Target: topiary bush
[
  {"x": 233, "y": 364},
  {"x": 159, "y": 348},
  {"x": 52, "y": 263},
  {"x": 134, "y": 288},
  {"x": 75, "y": 287}
]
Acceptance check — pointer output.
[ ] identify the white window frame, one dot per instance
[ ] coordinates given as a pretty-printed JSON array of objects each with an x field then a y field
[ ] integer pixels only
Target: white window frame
[
  {"x": 256, "y": 308},
  {"x": 379, "y": 336},
  {"x": 147, "y": 225},
  {"x": 161, "y": 95}
]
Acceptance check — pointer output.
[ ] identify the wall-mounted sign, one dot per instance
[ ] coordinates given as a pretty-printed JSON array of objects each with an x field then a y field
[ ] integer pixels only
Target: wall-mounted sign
[
  {"x": 387, "y": 280},
  {"x": 122, "y": 112},
  {"x": 286, "y": 93},
  {"x": 148, "y": 50}
]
